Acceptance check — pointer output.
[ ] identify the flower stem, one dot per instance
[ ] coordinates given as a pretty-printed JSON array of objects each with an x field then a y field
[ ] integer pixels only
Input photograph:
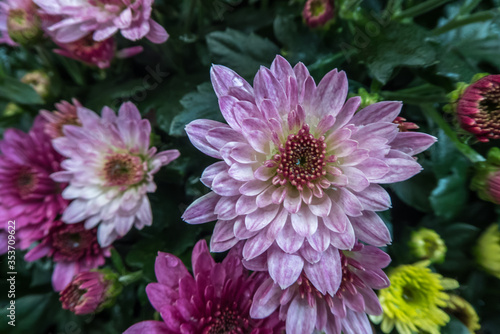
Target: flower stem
[
  {"x": 118, "y": 262},
  {"x": 465, "y": 149},
  {"x": 421, "y": 8},
  {"x": 460, "y": 22},
  {"x": 130, "y": 278}
]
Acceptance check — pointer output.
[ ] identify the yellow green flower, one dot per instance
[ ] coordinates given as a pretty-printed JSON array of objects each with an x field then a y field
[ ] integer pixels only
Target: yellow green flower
[
  {"x": 463, "y": 311},
  {"x": 488, "y": 250},
  {"x": 427, "y": 244},
  {"x": 414, "y": 301}
]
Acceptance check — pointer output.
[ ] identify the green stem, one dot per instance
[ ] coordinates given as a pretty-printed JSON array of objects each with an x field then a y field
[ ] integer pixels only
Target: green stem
[
  {"x": 421, "y": 8},
  {"x": 466, "y": 9},
  {"x": 130, "y": 278},
  {"x": 466, "y": 150},
  {"x": 117, "y": 261},
  {"x": 460, "y": 22}
]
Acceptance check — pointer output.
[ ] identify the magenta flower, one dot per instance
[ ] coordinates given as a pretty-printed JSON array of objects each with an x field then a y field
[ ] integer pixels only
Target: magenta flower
[
  {"x": 317, "y": 13},
  {"x": 299, "y": 171},
  {"x": 110, "y": 170},
  {"x": 65, "y": 114},
  {"x": 102, "y": 19},
  {"x": 305, "y": 308},
  {"x": 73, "y": 248},
  {"x": 27, "y": 193},
  {"x": 216, "y": 300},
  {"x": 95, "y": 53},
  {"x": 90, "y": 292}
]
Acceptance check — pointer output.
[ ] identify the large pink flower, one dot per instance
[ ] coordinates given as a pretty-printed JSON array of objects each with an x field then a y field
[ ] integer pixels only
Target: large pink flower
[
  {"x": 300, "y": 170},
  {"x": 28, "y": 195},
  {"x": 102, "y": 18},
  {"x": 216, "y": 300},
  {"x": 73, "y": 248},
  {"x": 305, "y": 308},
  {"x": 110, "y": 170}
]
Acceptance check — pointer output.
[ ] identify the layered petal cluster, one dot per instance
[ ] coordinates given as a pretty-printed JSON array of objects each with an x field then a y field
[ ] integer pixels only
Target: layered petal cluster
[
  {"x": 415, "y": 300},
  {"x": 73, "y": 248},
  {"x": 65, "y": 114},
  {"x": 19, "y": 22},
  {"x": 28, "y": 195},
  {"x": 109, "y": 168},
  {"x": 300, "y": 170},
  {"x": 215, "y": 299},
  {"x": 306, "y": 309},
  {"x": 102, "y": 19}
]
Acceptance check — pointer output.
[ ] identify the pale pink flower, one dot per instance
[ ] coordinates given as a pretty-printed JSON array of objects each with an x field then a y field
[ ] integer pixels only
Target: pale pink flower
[
  {"x": 300, "y": 171},
  {"x": 102, "y": 19},
  {"x": 109, "y": 168},
  {"x": 215, "y": 299},
  {"x": 28, "y": 195},
  {"x": 306, "y": 309},
  {"x": 73, "y": 248}
]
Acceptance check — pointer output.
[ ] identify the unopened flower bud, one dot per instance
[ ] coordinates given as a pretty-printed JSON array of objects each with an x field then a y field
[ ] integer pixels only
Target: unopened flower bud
[
  {"x": 24, "y": 26},
  {"x": 486, "y": 180},
  {"x": 40, "y": 82},
  {"x": 487, "y": 250},
  {"x": 317, "y": 13},
  {"x": 427, "y": 244}
]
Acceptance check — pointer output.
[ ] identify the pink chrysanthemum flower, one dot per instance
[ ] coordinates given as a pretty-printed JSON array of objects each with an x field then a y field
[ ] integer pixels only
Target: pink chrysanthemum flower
[
  {"x": 102, "y": 19},
  {"x": 19, "y": 22},
  {"x": 95, "y": 53},
  {"x": 110, "y": 170},
  {"x": 216, "y": 300},
  {"x": 27, "y": 193},
  {"x": 478, "y": 109},
  {"x": 73, "y": 248},
  {"x": 90, "y": 292},
  {"x": 300, "y": 170},
  {"x": 306, "y": 309},
  {"x": 65, "y": 114}
]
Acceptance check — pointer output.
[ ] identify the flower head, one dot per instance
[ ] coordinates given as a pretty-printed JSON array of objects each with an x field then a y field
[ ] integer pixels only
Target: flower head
[
  {"x": 414, "y": 301},
  {"x": 90, "y": 291},
  {"x": 73, "y": 248},
  {"x": 306, "y": 309},
  {"x": 216, "y": 299},
  {"x": 300, "y": 170},
  {"x": 486, "y": 180},
  {"x": 39, "y": 80},
  {"x": 97, "y": 53},
  {"x": 102, "y": 19},
  {"x": 19, "y": 22},
  {"x": 463, "y": 311},
  {"x": 427, "y": 244},
  {"x": 477, "y": 107},
  {"x": 65, "y": 114},
  {"x": 317, "y": 13},
  {"x": 27, "y": 193},
  {"x": 487, "y": 250},
  {"x": 110, "y": 170}
]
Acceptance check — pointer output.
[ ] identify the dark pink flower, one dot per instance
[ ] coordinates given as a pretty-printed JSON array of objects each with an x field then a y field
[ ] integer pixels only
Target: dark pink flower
[
  {"x": 478, "y": 109},
  {"x": 73, "y": 248},
  {"x": 300, "y": 169},
  {"x": 65, "y": 114},
  {"x": 102, "y": 19},
  {"x": 216, "y": 300},
  {"x": 90, "y": 292},
  {"x": 306, "y": 309},
  {"x": 27, "y": 193},
  {"x": 317, "y": 13}
]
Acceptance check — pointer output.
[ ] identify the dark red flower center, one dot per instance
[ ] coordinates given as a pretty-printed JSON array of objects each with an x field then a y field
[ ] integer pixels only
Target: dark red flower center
[
  {"x": 71, "y": 242},
  {"x": 123, "y": 170},
  {"x": 26, "y": 181},
  {"x": 302, "y": 158},
  {"x": 491, "y": 101},
  {"x": 227, "y": 321}
]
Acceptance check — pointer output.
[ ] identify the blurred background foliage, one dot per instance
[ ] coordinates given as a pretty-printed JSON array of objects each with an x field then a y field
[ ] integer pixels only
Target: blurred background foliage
[{"x": 408, "y": 50}]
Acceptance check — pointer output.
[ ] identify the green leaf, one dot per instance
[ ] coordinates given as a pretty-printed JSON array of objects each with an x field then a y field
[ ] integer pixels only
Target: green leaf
[
  {"x": 415, "y": 191},
  {"x": 241, "y": 52},
  {"x": 455, "y": 327},
  {"x": 14, "y": 90},
  {"x": 30, "y": 312},
  {"x": 398, "y": 45},
  {"x": 197, "y": 105},
  {"x": 459, "y": 234}
]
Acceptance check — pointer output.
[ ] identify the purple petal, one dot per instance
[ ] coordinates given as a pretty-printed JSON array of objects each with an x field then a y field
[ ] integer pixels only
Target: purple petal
[
  {"x": 169, "y": 269},
  {"x": 284, "y": 268},
  {"x": 304, "y": 222},
  {"x": 268, "y": 87},
  {"x": 157, "y": 34},
  {"x": 265, "y": 300},
  {"x": 260, "y": 218},
  {"x": 412, "y": 143},
  {"x": 330, "y": 94},
  {"x": 201, "y": 210},
  {"x": 371, "y": 229},
  {"x": 197, "y": 132},
  {"x": 326, "y": 274},
  {"x": 301, "y": 317},
  {"x": 402, "y": 168},
  {"x": 63, "y": 274},
  {"x": 378, "y": 112},
  {"x": 223, "y": 79},
  {"x": 149, "y": 327},
  {"x": 356, "y": 323},
  {"x": 256, "y": 245},
  {"x": 289, "y": 240},
  {"x": 160, "y": 295}
]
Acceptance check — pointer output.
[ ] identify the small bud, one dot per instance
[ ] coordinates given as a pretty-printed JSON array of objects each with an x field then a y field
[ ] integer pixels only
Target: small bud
[
  {"x": 366, "y": 98},
  {"x": 24, "y": 26},
  {"x": 40, "y": 82},
  {"x": 487, "y": 250},
  {"x": 426, "y": 244},
  {"x": 317, "y": 13},
  {"x": 12, "y": 109},
  {"x": 486, "y": 180},
  {"x": 91, "y": 291}
]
